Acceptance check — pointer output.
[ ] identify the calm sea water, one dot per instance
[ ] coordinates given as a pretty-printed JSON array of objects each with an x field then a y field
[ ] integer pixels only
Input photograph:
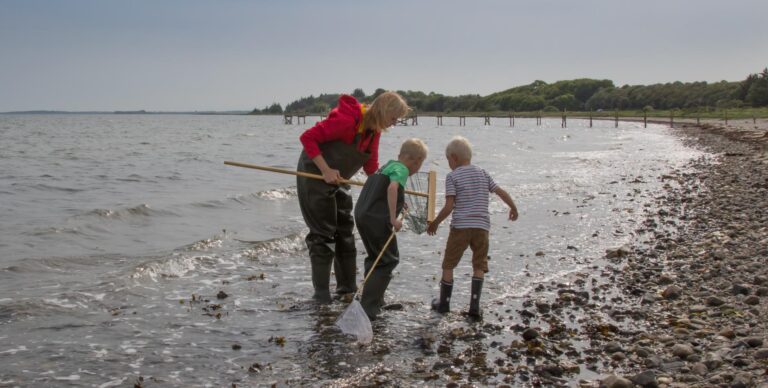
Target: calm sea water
[{"x": 117, "y": 232}]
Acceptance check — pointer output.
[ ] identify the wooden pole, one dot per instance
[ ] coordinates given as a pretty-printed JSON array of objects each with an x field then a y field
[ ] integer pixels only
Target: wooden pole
[
  {"x": 564, "y": 123},
  {"x": 645, "y": 119},
  {"x": 309, "y": 175},
  {"x": 617, "y": 119},
  {"x": 590, "y": 118},
  {"x": 726, "y": 117}
]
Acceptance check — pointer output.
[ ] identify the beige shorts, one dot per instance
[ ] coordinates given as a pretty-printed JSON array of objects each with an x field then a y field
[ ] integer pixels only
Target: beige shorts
[{"x": 458, "y": 242}]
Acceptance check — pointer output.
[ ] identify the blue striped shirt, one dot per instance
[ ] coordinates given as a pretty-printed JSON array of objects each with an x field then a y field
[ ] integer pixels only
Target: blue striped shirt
[{"x": 471, "y": 185}]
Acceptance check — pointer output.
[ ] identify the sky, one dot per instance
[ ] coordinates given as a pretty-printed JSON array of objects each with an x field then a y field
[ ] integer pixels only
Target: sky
[{"x": 194, "y": 55}]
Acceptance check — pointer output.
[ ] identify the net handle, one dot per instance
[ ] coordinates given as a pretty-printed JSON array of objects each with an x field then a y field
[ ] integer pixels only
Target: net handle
[
  {"x": 314, "y": 176},
  {"x": 381, "y": 253}
]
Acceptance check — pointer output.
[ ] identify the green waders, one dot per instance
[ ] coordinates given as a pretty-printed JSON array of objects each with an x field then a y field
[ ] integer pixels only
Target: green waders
[
  {"x": 372, "y": 219},
  {"x": 327, "y": 211}
]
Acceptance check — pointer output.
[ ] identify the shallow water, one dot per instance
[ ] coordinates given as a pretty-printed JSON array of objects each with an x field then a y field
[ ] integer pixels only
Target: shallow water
[{"x": 117, "y": 232}]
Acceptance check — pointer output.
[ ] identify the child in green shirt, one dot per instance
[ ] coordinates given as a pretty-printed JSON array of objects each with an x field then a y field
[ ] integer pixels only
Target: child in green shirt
[{"x": 376, "y": 210}]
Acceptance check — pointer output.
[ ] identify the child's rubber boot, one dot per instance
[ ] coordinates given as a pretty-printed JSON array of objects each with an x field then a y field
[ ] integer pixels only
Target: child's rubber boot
[
  {"x": 443, "y": 304},
  {"x": 372, "y": 299},
  {"x": 474, "y": 301}
]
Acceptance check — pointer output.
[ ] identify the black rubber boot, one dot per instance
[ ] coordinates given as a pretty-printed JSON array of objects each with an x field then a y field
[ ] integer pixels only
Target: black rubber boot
[
  {"x": 474, "y": 301},
  {"x": 321, "y": 256},
  {"x": 443, "y": 304},
  {"x": 372, "y": 299}
]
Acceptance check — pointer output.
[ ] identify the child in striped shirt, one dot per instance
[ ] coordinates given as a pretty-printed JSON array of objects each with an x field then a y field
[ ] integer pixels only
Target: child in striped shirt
[{"x": 467, "y": 189}]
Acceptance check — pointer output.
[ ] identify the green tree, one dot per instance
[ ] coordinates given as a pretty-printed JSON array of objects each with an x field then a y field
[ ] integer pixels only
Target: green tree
[
  {"x": 275, "y": 108},
  {"x": 359, "y": 94},
  {"x": 758, "y": 91}
]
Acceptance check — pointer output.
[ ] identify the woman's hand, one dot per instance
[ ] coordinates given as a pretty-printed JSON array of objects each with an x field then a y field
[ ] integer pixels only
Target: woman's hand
[{"x": 332, "y": 176}]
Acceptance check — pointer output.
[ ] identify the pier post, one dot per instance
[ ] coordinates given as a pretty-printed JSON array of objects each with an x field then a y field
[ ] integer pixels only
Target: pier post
[
  {"x": 288, "y": 119},
  {"x": 645, "y": 119},
  {"x": 513, "y": 119},
  {"x": 672, "y": 119},
  {"x": 487, "y": 120},
  {"x": 590, "y": 118},
  {"x": 563, "y": 123},
  {"x": 616, "y": 125},
  {"x": 462, "y": 120},
  {"x": 439, "y": 120},
  {"x": 726, "y": 117}
]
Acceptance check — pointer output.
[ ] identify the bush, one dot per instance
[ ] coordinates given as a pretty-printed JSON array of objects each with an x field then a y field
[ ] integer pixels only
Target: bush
[{"x": 727, "y": 104}]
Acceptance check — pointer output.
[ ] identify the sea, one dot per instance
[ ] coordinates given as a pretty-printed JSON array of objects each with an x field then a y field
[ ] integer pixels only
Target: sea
[{"x": 131, "y": 254}]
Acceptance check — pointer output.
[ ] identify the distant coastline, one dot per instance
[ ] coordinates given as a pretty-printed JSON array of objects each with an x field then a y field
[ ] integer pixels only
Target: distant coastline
[{"x": 122, "y": 112}]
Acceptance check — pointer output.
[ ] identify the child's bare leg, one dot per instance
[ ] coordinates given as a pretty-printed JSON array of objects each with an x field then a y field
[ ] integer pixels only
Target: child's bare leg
[
  {"x": 478, "y": 273},
  {"x": 448, "y": 275}
]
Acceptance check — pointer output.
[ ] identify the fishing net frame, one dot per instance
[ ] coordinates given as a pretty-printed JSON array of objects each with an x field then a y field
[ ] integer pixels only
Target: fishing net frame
[
  {"x": 420, "y": 200},
  {"x": 420, "y": 193}
]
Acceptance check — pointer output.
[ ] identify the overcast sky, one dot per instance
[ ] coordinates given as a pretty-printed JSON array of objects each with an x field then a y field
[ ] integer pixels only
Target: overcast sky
[{"x": 170, "y": 55}]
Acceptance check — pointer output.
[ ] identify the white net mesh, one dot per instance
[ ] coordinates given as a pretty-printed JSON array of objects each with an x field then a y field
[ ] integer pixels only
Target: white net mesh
[
  {"x": 354, "y": 321},
  {"x": 416, "y": 216}
]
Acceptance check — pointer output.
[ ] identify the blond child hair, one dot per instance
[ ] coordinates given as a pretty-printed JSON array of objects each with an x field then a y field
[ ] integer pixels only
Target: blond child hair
[
  {"x": 460, "y": 148},
  {"x": 414, "y": 149}
]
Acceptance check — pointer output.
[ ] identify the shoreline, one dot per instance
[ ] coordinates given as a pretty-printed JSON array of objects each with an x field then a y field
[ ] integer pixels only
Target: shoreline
[{"x": 685, "y": 307}]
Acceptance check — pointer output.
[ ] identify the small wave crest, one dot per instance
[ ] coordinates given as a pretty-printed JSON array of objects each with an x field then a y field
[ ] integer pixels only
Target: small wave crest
[
  {"x": 277, "y": 246},
  {"x": 274, "y": 194},
  {"x": 46, "y": 187},
  {"x": 179, "y": 265},
  {"x": 142, "y": 210}
]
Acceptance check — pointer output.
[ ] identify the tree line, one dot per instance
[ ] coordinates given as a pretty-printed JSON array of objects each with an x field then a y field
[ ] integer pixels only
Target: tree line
[{"x": 573, "y": 95}]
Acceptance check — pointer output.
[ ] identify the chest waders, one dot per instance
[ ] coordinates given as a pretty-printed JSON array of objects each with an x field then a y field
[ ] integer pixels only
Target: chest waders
[
  {"x": 372, "y": 218},
  {"x": 327, "y": 211}
]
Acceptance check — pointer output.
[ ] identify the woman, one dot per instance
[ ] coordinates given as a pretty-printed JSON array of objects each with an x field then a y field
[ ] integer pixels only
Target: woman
[{"x": 337, "y": 148}]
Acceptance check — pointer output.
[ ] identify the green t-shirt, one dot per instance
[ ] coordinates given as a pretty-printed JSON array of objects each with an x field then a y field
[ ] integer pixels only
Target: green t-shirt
[{"x": 396, "y": 171}]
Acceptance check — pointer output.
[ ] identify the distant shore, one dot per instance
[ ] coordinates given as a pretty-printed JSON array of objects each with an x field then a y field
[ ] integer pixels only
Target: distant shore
[{"x": 118, "y": 112}]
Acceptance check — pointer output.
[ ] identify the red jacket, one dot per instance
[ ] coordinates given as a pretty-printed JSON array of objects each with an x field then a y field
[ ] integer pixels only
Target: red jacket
[{"x": 342, "y": 124}]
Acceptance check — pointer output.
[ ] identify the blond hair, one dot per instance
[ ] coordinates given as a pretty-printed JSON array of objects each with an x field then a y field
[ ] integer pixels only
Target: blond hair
[
  {"x": 414, "y": 149},
  {"x": 385, "y": 107},
  {"x": 460, "y": 148}
]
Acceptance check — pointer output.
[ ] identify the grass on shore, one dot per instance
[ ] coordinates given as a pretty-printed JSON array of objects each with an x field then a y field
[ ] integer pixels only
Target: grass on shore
[{"x": 730, "y": 114}]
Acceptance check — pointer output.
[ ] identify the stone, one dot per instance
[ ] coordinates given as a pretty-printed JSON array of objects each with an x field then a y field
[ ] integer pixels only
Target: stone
[
  {"x": 530, "y": 334},
  {"x": 761, "y": 354},
  {"x": 699, "y": 368},
  {"x": 752, "y": 300},
  {"x": 645, "y": 379},
  {"x": 614, "y": 381},
  {"x": 672, "y": 292},
  {"x": 682, "y": 350},
  {"x": 714, "y": 301},
  {"x": 740, "y": 289}
]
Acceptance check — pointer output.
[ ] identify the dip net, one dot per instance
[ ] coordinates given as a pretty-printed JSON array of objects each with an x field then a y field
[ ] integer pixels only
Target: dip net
[{"x": 420, "y": 197}]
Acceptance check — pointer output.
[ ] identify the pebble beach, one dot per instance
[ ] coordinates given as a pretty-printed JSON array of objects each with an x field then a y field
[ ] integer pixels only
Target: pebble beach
[{"x": 684, "y": 306}]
